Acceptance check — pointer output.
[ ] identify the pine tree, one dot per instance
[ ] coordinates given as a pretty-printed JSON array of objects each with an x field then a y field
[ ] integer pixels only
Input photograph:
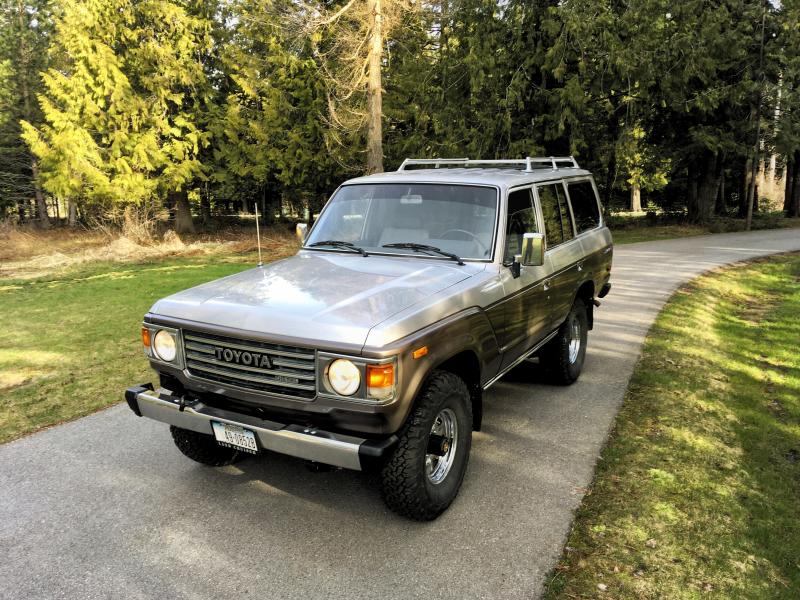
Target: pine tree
[
  {"x": 122, "y": 104},
  {"x": 787, "y": 136},
  {"x": 270, "y": 134},
  {"x": 24, "y": 34}
]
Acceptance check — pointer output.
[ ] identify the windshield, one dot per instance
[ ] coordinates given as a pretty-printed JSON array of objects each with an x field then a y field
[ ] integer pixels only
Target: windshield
[{"x": 459, "y": 219}]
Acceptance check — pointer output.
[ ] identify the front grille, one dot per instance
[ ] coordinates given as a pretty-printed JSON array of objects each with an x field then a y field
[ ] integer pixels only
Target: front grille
[{"x": 257, "y": 366}]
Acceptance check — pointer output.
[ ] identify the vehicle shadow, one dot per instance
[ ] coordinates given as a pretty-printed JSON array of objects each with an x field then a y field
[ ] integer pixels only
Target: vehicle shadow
[{"x": 528, "y": 371}]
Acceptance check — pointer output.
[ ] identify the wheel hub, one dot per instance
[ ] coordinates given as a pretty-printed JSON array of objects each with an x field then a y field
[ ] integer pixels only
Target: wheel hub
[
  {"x": 574, "y": 339},
  {"x": 442, "y": 444}
]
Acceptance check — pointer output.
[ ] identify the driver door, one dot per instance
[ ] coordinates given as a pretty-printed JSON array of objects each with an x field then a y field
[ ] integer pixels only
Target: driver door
[{"x": 524, "y": 313}]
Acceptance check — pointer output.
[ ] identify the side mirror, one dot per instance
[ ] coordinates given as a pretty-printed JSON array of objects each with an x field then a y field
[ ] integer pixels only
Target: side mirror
[
  {"x": 532, "y": 250},
  {"x": 302, "y": 231}
]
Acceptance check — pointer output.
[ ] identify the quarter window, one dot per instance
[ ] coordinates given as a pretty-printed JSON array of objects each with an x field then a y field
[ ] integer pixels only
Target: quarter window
[
  {"x": 584, "y": 205},
  {"x": 521, "y": 220}
]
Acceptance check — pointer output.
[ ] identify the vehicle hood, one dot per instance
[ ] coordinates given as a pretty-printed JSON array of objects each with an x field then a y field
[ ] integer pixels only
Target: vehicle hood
[{"x": 321, "y": 299}]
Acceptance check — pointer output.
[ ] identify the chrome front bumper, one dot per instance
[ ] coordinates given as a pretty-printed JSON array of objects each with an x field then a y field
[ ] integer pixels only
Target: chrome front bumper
[{"x": 295, "y": 440}]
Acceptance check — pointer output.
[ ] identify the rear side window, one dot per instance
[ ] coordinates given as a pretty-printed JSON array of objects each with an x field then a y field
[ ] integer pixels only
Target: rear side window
[
  {"x": 521, "y": 219},
  {"x": 584, "y": 205},
  {"x": 557, "y": 223}
]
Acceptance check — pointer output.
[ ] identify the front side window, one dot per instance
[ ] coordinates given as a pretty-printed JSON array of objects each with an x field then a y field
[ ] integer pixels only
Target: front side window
[
  {"x": 584, "y": 205},
  {"x": 459, "y": 219},
  {"x": 521, "y": 220}
]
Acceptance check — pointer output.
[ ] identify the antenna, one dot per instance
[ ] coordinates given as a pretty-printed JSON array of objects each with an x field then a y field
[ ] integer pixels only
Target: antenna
[{"x": 258, "y": 235}]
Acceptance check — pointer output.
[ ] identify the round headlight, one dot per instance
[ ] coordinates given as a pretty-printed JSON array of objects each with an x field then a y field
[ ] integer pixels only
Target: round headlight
[
  {"x": 344, "y": 377},
  {"x": 164, "y": 346}
]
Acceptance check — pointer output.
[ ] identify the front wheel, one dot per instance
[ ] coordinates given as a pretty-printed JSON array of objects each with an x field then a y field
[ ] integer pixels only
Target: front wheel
[
  {"x": 425, "y": 472},
  {"x": 563, "y": 356}
]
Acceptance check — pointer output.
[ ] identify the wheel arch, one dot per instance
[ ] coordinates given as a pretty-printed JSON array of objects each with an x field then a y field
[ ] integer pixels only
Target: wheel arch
[
  {"x": 466, "y": 365},
  {"x": 463, "y": 343}
]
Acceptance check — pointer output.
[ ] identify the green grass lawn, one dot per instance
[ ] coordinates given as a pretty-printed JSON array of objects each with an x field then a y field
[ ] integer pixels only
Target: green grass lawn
[
  {"x": 71, "y": 344},
  {"x": 698, "y": 490}
]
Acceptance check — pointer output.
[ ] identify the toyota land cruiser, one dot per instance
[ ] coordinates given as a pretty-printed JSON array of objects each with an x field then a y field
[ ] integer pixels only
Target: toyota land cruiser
[{"x": 412, "y": 294}]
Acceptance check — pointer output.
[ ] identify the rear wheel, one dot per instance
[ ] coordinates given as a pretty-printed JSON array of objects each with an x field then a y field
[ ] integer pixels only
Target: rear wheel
[
  {"x": 425, "y": 472},
  {"x": 204, "y": 448},
  {"x": 563, "y": 356}
]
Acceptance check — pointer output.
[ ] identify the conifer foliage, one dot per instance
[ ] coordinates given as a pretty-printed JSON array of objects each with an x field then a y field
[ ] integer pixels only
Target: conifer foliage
[{"x": 204, "y": 106}]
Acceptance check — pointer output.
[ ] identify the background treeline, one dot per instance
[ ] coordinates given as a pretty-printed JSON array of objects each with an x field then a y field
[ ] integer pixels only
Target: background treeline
[{"x": 206, "y": 107}]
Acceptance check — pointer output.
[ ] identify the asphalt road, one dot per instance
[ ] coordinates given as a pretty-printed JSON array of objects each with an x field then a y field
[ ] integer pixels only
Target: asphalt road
[{"x": 106, "y": 507}]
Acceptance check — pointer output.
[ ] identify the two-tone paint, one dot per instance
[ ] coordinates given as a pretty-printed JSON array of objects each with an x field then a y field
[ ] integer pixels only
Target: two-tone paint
[{"x": 476, "y": 319}]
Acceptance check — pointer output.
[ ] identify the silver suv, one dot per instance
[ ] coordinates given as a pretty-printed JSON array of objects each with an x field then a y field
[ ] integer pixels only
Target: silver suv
[{"x": 412, "y": 294}]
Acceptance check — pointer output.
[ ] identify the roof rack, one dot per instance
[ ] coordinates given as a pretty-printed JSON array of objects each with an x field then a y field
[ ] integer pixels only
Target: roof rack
[{"x": 528, "y": 162}]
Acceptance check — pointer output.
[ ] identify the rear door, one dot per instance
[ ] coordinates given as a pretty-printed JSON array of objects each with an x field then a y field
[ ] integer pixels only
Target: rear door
[{"x": 563, "y": 252}]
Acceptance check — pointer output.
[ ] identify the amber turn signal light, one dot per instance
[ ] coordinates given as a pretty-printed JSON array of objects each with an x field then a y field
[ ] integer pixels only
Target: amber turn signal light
[
  {"x": 419, "y": 352},
  {"x": 146, "y": 337},
  {"x": 380, "y": 376},
  {"x": 380, "y": 382}
]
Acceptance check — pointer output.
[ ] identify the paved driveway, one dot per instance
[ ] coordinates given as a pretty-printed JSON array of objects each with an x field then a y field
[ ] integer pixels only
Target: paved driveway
[{"x": 106, "y": 507}]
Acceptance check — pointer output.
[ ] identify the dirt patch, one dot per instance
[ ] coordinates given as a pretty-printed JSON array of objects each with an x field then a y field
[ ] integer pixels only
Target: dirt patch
[{"x": 754, "y": 309}]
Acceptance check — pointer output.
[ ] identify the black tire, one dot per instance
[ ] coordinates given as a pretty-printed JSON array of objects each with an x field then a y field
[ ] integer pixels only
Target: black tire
[
  {"x": 204, "y": 448},
  {"x": 405, "y": 484},
  {"x": 560, "y": 367}
]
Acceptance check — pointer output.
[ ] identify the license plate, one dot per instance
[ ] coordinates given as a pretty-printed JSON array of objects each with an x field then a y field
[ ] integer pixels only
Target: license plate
[{"x": 234, "y": 436}]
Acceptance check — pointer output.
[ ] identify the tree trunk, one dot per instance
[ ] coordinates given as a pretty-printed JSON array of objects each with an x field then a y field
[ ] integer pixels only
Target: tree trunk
[
  {"x": 205, "y": 207},
  {"x": 41, "y": 207},
  {"x": 72, "y": 213},
  {"x": 611, "y": 173},
  {"x": 796, "y": 193},
  {"x": 636, "y": 198},
  {"x": 789, "y": 189},
  {"x": 183, "y": 212},
  {"x": 374, "y": 91},
  {"x": 691, "y": 191},
  {"x": 754, "y": 204},
  {"x": 721, "y": 206},
  {"x": 752, "y": 194},
  {"x": 707, "y": 188},
  {"x": 268, "y": 206},
  {"x": 745, "y": 189}
]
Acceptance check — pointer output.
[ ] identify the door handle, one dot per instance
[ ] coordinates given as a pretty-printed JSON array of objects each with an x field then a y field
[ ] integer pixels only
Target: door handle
[
  {"x": 580, "y": 266},
  {"x": 547, "y": 284}
]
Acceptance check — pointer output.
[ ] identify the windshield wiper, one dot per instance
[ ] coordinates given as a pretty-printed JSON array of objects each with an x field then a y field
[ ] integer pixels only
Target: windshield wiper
[
  {"x": 425, "y": 248},
  {"x": 340, "y": 244}
]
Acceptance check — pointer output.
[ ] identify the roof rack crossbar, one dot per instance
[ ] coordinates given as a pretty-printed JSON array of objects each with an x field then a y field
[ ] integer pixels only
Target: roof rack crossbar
[{"x": 527, "y": 162}]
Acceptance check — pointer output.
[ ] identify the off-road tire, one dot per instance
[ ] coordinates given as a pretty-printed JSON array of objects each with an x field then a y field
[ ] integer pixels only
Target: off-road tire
[
  {"x": 405, "y": 487},
  {"x": 204, "y": 448},
  {"x": 555, "y": 356}
]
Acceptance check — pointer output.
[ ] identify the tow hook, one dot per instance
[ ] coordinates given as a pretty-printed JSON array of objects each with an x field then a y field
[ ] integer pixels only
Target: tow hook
[{"x": 182, "y": 404}]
